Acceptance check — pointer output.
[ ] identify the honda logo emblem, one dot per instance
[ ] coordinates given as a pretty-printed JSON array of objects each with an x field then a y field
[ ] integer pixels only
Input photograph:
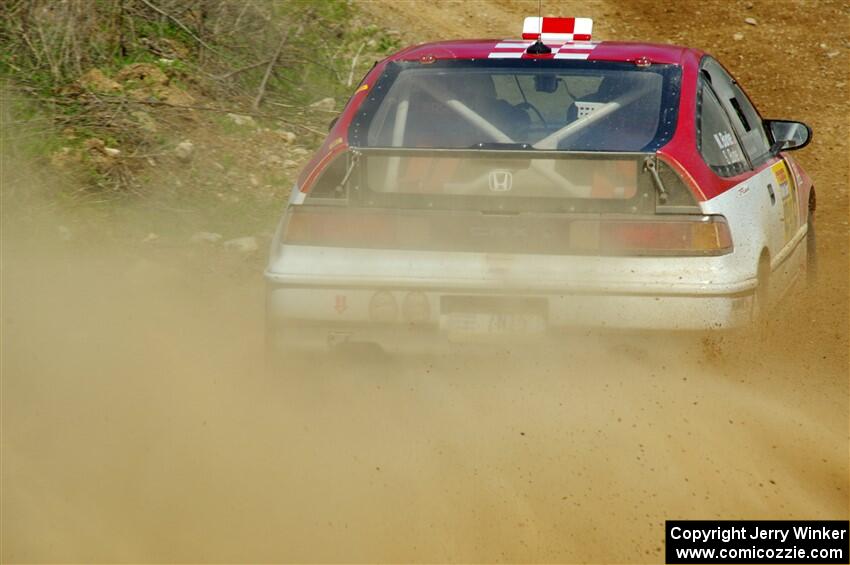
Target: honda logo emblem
[{"x": 501, "y": 181}]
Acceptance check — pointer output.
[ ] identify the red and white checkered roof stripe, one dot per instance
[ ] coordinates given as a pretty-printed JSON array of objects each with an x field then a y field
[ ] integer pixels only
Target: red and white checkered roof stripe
[
  {"x": 515, "y": 49},
  {"x": 569, "y": 38},
  {"x": 557, "y": 29}
]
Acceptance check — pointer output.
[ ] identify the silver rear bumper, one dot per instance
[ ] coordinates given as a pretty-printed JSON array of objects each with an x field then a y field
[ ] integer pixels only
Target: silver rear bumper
[
  {"x": 322, "y": 295},
  {"x": 322, "y": 317}
]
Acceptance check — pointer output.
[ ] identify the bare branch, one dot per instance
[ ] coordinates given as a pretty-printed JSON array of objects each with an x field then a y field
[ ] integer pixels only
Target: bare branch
[
  {"x": 354, "y": 65},
  {"x": 159, "y": 10},
  {"x": 227, "y": 75},
  {"x": 262, "y": 89}
]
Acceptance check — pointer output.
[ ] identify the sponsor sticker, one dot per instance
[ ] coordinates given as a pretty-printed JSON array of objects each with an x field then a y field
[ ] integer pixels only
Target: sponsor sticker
[{"x": 788, "y": 192}]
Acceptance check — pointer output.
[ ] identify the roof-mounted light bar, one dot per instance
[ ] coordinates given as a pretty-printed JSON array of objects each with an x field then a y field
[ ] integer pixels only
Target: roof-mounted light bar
[{"x": 557, "y": 30}]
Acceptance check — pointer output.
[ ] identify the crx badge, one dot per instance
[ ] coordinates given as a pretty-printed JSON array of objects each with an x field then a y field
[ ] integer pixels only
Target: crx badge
[{"x": 501, "y": 181}]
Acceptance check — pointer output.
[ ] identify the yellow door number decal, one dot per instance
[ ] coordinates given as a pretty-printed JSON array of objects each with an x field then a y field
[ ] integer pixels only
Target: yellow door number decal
[{"x": 787, "y": 189}]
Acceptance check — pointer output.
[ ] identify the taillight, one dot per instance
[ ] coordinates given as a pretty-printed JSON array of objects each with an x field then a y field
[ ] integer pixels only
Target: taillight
[
  {"x": 659, "y": 235},
  {"x": 328, "y": 228}
]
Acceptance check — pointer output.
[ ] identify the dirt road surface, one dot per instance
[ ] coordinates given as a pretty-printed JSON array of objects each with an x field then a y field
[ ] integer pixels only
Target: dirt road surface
[{"x": 138, "y": 424}]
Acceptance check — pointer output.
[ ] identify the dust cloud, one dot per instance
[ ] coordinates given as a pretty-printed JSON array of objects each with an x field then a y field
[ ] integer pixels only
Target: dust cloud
[{"x": 139, "y": 424}]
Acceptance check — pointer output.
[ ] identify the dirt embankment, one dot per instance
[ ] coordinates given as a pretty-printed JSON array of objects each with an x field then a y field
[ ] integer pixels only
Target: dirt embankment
[{"x": 137, "y": 424}]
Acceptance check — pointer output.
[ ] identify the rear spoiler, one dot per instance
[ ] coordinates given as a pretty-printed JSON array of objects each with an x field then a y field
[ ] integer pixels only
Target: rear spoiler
[
  {"x": 671, "y": 193},
  {"x": 489, "y": 151}
]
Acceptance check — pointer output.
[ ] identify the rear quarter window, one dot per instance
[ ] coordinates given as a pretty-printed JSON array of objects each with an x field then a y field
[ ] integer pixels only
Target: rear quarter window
[
  {"x": 743, "y": 116},
  {"x": 716, "y": 140}
]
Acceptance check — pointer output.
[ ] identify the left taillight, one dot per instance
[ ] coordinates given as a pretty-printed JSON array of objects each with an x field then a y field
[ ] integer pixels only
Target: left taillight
[{"x": 331, "y": 227}]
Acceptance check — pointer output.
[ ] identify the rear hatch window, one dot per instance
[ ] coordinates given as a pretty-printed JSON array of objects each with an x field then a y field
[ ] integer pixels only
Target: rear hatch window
[{"x": 531, "y": 105}]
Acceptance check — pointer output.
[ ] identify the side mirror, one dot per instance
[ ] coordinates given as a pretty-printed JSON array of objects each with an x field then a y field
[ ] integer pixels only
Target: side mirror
[
  {"x": 787, "y": 135},
  {"x": 332, "y": 123}
]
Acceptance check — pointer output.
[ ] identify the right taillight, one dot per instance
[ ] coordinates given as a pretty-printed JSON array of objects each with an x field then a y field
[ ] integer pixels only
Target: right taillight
[
  {"x": 711, "y": 235},
  {"x": 657, "y": 235}
]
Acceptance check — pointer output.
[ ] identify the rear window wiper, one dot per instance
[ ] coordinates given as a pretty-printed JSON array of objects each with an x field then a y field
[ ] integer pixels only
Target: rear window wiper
[
  {"x": 352, "y": 164},
  {"x": 650, "y": 166},
  {"x": 500, "y": 145}
]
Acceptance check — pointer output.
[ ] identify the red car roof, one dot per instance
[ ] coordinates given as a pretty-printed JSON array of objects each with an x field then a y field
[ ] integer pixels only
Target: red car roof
[{"x": 596, "y": 51}]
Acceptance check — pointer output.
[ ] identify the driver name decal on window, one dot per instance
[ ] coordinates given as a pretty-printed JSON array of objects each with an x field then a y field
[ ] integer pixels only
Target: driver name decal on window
[{"x": 728, "y": 146}]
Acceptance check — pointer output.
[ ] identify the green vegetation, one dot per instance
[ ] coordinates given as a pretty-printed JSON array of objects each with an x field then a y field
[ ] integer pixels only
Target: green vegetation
[
  {"x": 48, "y": 44},
  {"x": 99, "y": 89}
]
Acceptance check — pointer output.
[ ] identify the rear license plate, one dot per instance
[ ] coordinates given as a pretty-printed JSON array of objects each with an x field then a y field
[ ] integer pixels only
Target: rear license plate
[
  {"x": 471, "y": 317},
  {"x": 470, "y": 324}
]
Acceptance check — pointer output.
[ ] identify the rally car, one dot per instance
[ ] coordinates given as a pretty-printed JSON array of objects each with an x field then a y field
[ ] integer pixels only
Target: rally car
[{"x": 491, "y": 189}]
